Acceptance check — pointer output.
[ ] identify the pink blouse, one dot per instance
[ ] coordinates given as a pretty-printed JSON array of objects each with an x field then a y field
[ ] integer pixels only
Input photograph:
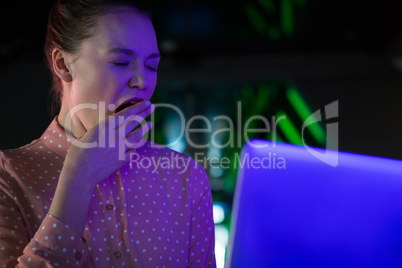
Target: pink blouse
[{"x": 147, "y": 214}]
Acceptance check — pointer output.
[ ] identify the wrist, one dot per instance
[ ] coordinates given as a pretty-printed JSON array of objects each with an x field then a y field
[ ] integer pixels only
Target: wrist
[{"x": 71, "y": 202}]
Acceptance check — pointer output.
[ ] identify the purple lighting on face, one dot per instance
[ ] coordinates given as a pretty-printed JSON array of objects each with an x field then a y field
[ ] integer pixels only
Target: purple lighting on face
[{"x": 310, "y": 214}]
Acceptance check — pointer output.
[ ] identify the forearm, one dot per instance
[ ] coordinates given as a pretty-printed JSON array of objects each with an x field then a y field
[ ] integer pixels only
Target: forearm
[
  {"x": 54, "y": 245},
  {"x": 71, "y": 201}
]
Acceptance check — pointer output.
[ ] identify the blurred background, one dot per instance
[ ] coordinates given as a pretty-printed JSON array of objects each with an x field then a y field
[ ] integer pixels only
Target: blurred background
[{"x": 268, "y": 57}]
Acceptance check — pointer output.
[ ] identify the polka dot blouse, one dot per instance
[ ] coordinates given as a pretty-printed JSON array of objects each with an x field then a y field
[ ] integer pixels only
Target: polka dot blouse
[{"x": 148, "y": 215}]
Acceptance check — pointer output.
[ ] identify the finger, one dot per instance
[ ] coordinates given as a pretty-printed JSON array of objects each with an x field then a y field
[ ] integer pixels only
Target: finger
[
  {"x": 135, "y": 120},
  {"x": 134, "y": 109},
  {"x": 114, "y": 121},
  {"x": 135, "y": 139}
]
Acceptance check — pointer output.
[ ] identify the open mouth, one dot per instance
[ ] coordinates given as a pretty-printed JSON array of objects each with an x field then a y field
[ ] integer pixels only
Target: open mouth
[{"x": 127, "y": 104}]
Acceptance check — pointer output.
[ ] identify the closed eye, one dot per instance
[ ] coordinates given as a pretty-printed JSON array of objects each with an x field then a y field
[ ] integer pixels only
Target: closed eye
[
  {"x": 121, "y": 63},
  {"x": 155, "y": 69}
]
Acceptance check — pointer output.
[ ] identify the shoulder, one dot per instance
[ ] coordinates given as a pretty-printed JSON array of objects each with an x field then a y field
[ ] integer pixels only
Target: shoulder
[
  {"x": 16, "y": 164},
  {"x": 155, "y": 150},
  {"x": 12, "y": 156}
]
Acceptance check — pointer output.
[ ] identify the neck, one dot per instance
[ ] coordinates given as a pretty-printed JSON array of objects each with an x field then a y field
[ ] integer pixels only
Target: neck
[{"x": 73, "y": 126}]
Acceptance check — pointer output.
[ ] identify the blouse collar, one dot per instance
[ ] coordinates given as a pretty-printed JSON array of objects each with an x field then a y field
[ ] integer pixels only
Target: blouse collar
[{"x": 57, "y": 139}]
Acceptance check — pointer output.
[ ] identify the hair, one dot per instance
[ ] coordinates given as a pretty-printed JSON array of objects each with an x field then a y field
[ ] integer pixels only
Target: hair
[{"x": 71, "y": 22}]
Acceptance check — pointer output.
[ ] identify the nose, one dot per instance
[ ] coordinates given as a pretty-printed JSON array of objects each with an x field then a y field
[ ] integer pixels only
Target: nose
[{"x": 137, "y": 80}]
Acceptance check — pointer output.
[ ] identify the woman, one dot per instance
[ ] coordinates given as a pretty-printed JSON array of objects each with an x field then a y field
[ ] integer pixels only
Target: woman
[{"x": 79, "y": 196}]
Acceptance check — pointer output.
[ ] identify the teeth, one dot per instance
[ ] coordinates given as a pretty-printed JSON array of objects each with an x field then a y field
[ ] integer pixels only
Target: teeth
[{"x": 132, "y": 102}]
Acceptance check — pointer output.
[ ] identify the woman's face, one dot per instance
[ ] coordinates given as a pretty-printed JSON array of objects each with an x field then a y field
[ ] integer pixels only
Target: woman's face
[{"x": 118, "y": 64}]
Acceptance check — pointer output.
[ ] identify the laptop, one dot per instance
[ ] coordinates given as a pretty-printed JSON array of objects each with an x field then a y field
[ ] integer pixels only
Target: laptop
[{"x": 293, "y": 209}]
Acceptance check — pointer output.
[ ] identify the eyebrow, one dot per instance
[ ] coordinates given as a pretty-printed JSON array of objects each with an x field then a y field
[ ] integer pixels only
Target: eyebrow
[{"x": 130, "y": 52}]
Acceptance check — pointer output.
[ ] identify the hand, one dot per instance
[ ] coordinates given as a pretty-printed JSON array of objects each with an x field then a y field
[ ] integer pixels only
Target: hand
[
  {"x": 85, "y": 167},
  {"x": 112, "y": 142}
]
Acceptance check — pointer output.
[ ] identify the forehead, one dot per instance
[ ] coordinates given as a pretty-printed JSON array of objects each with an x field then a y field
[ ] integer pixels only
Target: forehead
[{"x": 126, "y": 28}]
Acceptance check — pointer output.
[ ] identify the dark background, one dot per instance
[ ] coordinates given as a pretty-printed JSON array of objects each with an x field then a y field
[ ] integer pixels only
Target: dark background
[
  {"x": 215, "y": 53},
  {"x": 344, "y": 50}
]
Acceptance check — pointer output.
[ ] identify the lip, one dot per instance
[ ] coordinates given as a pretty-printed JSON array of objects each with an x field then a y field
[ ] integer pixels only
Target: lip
[{"x": 131, "y": 100}]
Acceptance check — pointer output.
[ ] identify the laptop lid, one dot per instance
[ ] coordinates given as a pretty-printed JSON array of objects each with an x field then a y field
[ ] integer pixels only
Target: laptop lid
[{"x": 292, "y": 209}]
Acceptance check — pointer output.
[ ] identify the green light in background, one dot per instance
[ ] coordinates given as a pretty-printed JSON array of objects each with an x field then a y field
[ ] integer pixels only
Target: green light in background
[
  {"x": 300, "y": 2},
  {"x": 255, "y": 17},
  {"x": 274, "y": 137},
  {"x": 287, "y": 17},
  {"x": 274, "y": 33},
  {"x": 304, "y": 112},
  {"x": 262, "y": 100},
  {"x": 247, "y": 92},
  {"x": 288, "y": 128},
  {"x": 268, "y": 5},
  {"x": 275, "y": 19}
]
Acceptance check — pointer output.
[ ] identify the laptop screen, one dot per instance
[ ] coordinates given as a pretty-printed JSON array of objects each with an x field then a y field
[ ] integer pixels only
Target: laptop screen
[{"x": 293, "y": 209}]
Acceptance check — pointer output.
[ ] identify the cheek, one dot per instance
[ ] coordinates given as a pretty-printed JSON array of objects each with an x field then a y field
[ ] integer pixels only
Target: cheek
[
  {"x": 152, "y": 78},
  {"x": 87, "y": 82},
  {"x": 102, "y": 85},
  {"x": 94, "y": 87},
  {"x": 116, "y": 78}
]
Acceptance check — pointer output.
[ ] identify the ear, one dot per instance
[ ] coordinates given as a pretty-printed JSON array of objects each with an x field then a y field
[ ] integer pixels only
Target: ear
[{"x": 60, "y": 65}]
